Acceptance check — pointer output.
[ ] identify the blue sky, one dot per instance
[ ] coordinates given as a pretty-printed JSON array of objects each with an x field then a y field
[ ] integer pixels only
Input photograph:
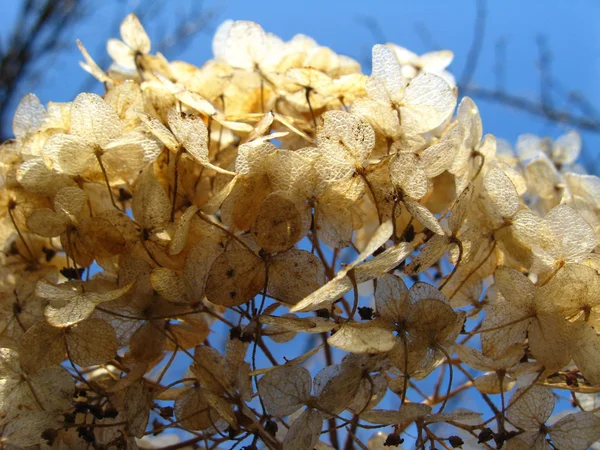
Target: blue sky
[{"x": 570, "y": 29}]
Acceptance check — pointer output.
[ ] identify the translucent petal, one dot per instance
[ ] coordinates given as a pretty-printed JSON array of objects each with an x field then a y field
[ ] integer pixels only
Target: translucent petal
[
  {"x": 532, "y": 407},
  {"x": 278, "y": 225},
  {"x": 391, "y": 298},
  {"x": 378, "y": 240},
  {"x": 423, "y": 216},
  {"x": 127, "y": 155},
  {"x": 91, "y": 342},
  {"x": 515, "y": 287},
  {"x": 211, "y": 370},
  {"x": 576, "y": 236},
  {"x": 138, "y": 403},
  {"x": 192, "y": 133},
  {"x": 253, "y": 157},
  {"x": 421, "y": 290},
  {"x": 468, "y": 116},
  {"x": 156, "y": 127},
  {"x": 478, "y": 361},
  {"x": 150, "y": 205},
  {"x": 90, "y": 65},
  {"x": 370, "y": 394},
  {"x": 575, "y": 431},
  {"x": 571, "y": 291},
  {"x": 335, "y": 387},
  {"x": 531, "y": 440},
  {"x": 386, "y": 67},
  {"x": 134, "y": 35},
  {"x": 285, "y": 389},
  {"x": 489, "y": 383},
  {"x": 73, "y": 202},
  {"x": 586, "y": 351},
  {"x": 460, "y": 209},
  {"x": 27, "y": 431},
  {"x": 431, "y": 252},
  {"x": 68, "y": 307},
  {"x": 147, "y": 344},
  {"x": 338, "y": 286},
  {"x": 290, "y": 322},
  {"x": 428, "y": 101},
  {"x": 34, "y": 176},
  {"x": 46, "y": 222},
  {"x": 407, "y": 413},
  {"x": 53, "y": 389},
  {"x": 180, "y": 237},
  {"x": 543, "y": 178},
  {"x": 235, "y": 277},
  {"x": 304, "y": 432},
  {"x": 193, "y": 412},
  {"x": 408, "y": 175},
  {"x": 343, "y": 132},
  {"x": 294, "y": 275},
  {"x": 362, "y": 338},
  {"x": 333, "y": 217},
  {"x": 241, "y": 44},
  {"x": 529, "y": 146},
  {"x": 222, "y": 407},
  {"x": 566, "y": 148},
  {"x": 41, "y": 346},
  {"x": 170, "y": 285},
  {"x": 460, "y": 415},
  {"x": 198, "y": 263},
  {"x": 94, "y": 120},
  {"x": 29, "y": 116},
  {"x": 433, "y": 320},
  {"x": 69, "y": 154},
  {"x": 496, "y": 342},
  {"x": 501, "y": 195},
  {"x": 439, "y": 157},
  {"x": 121, "y": 53},
  {"x": 436, "y": 60}
]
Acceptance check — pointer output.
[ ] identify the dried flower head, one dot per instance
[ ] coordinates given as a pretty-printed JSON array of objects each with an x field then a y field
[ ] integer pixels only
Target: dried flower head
[{"x": 273, "y": 250}]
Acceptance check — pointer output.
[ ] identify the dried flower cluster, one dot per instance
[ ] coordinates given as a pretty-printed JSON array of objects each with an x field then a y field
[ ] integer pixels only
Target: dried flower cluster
[{"x": 279, "y": 194}]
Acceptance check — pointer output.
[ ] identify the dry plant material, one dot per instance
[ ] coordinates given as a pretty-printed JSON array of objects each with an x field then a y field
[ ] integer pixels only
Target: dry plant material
[{"x": 194, "y": 220}]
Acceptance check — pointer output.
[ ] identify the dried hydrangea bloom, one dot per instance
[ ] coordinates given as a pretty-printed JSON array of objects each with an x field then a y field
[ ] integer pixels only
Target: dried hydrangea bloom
[
  {"x": 97, "y": 144},
  {"x": 135, "y": 43},
  {"x": 414, "y": 101},
  {"x": 532, "y": 406},
  {"x": 273, "y": 249},
  {"x": 573, "y": 294},
  {"x": 245, "y": 45},
  {"x": 433, "y": 62}
]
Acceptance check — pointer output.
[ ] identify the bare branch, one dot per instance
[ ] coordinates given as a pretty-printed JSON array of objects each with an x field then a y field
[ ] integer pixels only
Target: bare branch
[
  {"x": 373, "y": 26},
  {"x": 476, "y": 44},
  {"x": 544, "y": 66},
  {"x": 532, "y": 107},
  {"x": 500, "y": 64},
  {"x": 38, "y": 30},
  {"x": 426, "y": 36}
]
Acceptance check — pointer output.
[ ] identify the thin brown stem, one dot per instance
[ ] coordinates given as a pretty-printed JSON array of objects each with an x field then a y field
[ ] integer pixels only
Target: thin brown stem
[
  {"x": 450, "y": 378},
  {"x": 455, "y": 268},
  {"x": 12, "y": 219},
  {"x": 312, "y": 113},
  {"x": 176, "y": 181},
  {"x": 105, "y": 175}
]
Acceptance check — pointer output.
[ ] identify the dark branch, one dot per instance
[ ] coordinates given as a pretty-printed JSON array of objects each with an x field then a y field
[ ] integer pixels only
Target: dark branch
[
  {"x": 38, "y": 30},
  {"x": 476, "y": 44},
  {"x": 533, "y": 107},
  {"x": 500, "y": 64},
  {"x": 545, "y": 68}
]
